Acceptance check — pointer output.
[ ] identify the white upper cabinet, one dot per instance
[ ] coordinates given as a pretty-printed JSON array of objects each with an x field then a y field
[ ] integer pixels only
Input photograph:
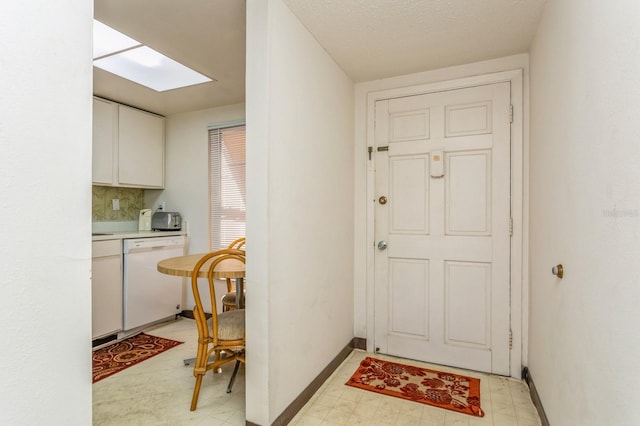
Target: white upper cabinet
[
  {"x": 128, "y": 146},
  {"x": 105, "y": 124},
  {"x": 140, "y": 148}
]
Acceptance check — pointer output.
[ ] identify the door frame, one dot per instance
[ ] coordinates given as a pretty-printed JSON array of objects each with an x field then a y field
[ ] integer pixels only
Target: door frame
[{"x": 518, "y": 263}]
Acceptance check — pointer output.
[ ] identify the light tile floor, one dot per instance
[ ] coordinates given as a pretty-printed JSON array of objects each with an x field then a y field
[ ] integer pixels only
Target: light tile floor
[
  {"x": 506, "y": 402},
  {"x": 158, "y": 392}
]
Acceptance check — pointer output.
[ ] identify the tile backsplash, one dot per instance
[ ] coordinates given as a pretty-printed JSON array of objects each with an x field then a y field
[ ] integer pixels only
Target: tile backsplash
[{"x": 131, "y": 202}]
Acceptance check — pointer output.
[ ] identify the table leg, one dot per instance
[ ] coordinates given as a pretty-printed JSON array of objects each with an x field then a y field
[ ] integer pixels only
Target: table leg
[
  {"x": 233, "y": 376},
  {"x": 239, "y": 293}
]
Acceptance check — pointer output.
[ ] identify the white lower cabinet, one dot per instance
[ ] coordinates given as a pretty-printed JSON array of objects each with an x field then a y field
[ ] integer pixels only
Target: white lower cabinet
[{"x": 106, "y": 287}]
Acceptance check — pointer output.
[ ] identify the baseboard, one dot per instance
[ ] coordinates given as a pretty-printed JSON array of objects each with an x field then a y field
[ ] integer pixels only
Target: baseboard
[
  {"x": 103, "y": 341},
  {"x": 535, "y": 398},
  {"x": 290, "y": 412},
  {"x": 360, "y": 343},
  {"x": 188, "y": 313}
]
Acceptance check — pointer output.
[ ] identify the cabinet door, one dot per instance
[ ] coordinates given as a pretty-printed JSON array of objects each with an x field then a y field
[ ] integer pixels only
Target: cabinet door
[
  {"x": 140, "y": 148},
  {"x": 106, "y": 288},
  {"x": 104, "y": 142}
]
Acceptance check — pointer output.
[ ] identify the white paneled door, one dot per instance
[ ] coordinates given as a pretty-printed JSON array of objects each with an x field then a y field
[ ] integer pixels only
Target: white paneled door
[{"x": 442, "y": 195}]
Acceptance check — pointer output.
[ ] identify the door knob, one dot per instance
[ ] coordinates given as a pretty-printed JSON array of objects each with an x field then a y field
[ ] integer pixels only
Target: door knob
[
  {"x": 382, "y": 245},
  {"x": 558, "y": 271}
]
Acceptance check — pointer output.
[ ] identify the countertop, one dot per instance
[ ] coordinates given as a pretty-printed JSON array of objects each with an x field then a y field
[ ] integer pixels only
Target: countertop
[{"x": 119, "y": 235}]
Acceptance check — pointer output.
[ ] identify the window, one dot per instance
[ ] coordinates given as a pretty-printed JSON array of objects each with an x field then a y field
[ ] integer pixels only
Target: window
[{"x": 227, "y": 184}]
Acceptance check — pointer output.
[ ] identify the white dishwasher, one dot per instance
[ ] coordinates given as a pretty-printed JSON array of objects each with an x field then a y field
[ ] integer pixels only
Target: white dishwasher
[{"x": 149, "y": 295}]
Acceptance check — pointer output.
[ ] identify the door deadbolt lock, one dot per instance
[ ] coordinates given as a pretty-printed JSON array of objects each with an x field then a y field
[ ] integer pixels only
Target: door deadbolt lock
[
  {"x": 382, "y": 200},
  {"x": 382, "y": 245}
]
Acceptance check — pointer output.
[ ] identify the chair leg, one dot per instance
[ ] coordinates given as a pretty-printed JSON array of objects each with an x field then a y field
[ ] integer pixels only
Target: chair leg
[
  {"x": 196, "y": 392},
  {"x": 233, "y": 376},
  {"x": 199, "y": 370}
]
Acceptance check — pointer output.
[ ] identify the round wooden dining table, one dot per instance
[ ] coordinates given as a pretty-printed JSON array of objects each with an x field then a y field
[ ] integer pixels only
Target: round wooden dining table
[{"x": 182, "y": 266}]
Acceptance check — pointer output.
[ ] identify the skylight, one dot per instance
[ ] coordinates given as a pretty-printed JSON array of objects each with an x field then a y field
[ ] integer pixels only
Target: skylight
[{"x": 121, "y": 55}]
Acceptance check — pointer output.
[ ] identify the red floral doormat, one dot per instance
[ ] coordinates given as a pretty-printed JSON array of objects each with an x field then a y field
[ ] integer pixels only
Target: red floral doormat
[
  {"x": 444, "y": 390},
  {"x": 131, "y": 351}
]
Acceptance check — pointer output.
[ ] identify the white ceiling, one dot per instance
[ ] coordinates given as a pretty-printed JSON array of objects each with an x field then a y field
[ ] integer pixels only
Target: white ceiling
[
  {"x": 373, "y": 39},
  {"x": 206, "y": 35},
  {"x": 369, "y": 39}
]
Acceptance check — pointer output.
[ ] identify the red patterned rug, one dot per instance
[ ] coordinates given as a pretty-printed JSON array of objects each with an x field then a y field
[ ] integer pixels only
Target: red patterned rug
[
  {"x": 131, "y": 351},
  {"x": 444, "y": 390}
]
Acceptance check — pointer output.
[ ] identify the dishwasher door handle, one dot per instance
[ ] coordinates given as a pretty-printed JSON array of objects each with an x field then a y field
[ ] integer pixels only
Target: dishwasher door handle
[{"x": 147, "y": 249}]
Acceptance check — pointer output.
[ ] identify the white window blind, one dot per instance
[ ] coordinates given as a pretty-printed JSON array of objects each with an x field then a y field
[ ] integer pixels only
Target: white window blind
[{"x": 227, "y": 184}]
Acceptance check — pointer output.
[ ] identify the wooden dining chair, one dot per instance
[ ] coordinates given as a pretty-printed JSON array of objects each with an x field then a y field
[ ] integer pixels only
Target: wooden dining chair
[
  {"x": 222, "y": 339},
  {"x": 229, "y": 299}
]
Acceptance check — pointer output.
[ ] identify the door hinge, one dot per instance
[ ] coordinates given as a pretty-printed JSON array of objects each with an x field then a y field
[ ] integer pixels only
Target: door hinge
[
  {"x": 510, "y": 339},
  {"x": 510, "y": 113},
  {"x": 369, "y": 150},
  {"x": 511, "y": 227}
]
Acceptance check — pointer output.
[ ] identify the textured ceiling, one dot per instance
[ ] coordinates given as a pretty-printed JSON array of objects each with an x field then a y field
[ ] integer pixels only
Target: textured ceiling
[
  {"x": 369, "y": 39},
  {"x": 372, "y": 39}
]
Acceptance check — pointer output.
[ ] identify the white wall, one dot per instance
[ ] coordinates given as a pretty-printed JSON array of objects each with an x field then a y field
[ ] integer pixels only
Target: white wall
[
  {"x": 187, "y": 174},
  {"x": 300, "y": 209},
  {"x": 585, "y": 212},
  {"x": 187, "y": 169},
  {"x": 45, "y": 209}
]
